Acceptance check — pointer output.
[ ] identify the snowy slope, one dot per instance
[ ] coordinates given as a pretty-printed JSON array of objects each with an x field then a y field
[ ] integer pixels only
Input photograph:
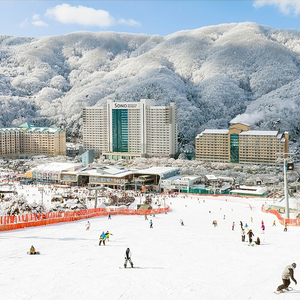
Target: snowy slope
[
  {"x": 213, "y": 74},
  {"x": 195, "y": 261}
]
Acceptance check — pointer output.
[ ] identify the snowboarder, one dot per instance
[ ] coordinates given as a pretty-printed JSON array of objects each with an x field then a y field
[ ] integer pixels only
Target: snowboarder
[
  {"x": 151, "y": 224},
  {"x": 233, "y": 224},
  {"x": 251, "y": 234},
  {"x": 88, "y": 225},
  {"x": 102, "y": 239},
  {"x": 128, "y": 258},
  {"x": 243, "y": 235},
  {"x": 288, "y": 273}
]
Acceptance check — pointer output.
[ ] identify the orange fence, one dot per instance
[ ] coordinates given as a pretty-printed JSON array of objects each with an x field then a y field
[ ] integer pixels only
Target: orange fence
[
  {"x": 282, "y": 221},
  {"x": 40, "y": 219}
]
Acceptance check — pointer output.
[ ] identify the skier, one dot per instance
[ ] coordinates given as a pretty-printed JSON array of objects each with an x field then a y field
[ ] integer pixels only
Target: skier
[
  {"x": 246, "y": 226},
  {"x": 151, "y": 224},
  {"x": 233, "y": 226},
  {"x": 102, "y": 238},
  {"x": 181, "y": 222},
  {"x": 251, "y": 234},
  {"x": 109, "y": 216},
  {"x": 263, "y": 228},
  {"x": 146, "y": 218},
  {"x": 128, "y": 258},
  {"x": 285, "y": 227},
  {"x": 243, "y": 235},
  {"x": 288, "y": 273},
  {"x": 107, "y": 234},
  {"x": 251, "y": 219},
  {"x": 215, "y": 223},
  {"x": 274, "y": 223},
  {"x": 88, "y": 225}
]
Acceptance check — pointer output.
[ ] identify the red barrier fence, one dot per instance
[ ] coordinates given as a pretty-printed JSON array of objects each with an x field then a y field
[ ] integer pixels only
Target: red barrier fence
[
  {"x": 40, "y": 219},
  {"x": 282, "y": 221}
]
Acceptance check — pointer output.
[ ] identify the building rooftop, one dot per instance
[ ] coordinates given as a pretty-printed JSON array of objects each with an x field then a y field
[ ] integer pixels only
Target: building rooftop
[{"x": 260, "y": 132}]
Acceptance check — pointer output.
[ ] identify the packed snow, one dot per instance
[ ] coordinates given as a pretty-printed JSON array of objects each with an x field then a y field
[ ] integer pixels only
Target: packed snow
[{"x": 171, "y": 261}]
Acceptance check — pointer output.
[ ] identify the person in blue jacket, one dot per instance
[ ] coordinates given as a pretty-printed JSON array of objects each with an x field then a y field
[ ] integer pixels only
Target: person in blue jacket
[{"x": 102, "y": 238}]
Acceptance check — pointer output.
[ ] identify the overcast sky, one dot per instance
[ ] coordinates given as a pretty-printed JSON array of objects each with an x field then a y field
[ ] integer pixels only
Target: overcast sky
[{"x": 45, "y": 18}]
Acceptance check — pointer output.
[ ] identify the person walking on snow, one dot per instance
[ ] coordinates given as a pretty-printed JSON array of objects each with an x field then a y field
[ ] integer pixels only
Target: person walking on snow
[
  {"x": 151, "y": 224},
  {"x": 102, "y": 238},
  {"x": 288, "y": 273},
  {"x": 88, "y": 225},
  {"x": 241, "y": 224},
  {"x": 251, "y": 234},
  {"x": 128, "y": 258},
  {"x": 243, "y": 235}
]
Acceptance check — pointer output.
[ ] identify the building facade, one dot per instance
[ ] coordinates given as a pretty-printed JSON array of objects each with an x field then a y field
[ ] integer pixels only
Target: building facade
[
  {"x": 129, "y": 129},
  {"x": 28, "y": 140},
  {"x": 240, "y": 144}
]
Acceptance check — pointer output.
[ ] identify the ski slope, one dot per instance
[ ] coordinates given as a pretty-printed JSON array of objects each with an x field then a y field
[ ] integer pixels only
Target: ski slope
[{"x": 195, "y": 261}]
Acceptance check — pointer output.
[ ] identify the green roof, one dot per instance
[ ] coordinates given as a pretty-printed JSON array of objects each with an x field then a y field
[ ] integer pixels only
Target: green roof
[{"x": 25, "y": 125}]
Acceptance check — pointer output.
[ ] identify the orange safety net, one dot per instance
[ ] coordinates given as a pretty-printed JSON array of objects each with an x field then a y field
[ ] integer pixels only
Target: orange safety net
[{"x": 41, "y": 219}]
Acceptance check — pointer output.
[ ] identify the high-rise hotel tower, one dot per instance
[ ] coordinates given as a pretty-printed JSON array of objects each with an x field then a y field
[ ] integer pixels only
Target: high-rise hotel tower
[{"x": 129, "y": 129}]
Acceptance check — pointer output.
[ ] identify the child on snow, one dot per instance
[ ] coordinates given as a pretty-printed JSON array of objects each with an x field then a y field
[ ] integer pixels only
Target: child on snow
[{"x": 102, "y": 238}]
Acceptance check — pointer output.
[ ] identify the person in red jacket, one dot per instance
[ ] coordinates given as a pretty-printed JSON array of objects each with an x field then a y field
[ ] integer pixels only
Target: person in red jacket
[{"x": 288, "y": 273}]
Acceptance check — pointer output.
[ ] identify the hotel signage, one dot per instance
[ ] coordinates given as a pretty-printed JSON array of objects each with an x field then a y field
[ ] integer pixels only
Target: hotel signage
[{"x": 125, "y": 105}]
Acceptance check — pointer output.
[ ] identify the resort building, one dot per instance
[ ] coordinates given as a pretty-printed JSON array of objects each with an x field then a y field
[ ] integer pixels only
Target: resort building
[
  {"x": 28, "y": 140},
  {"x": 240, "y": 144},
  {"x": 130, "y": 129}
]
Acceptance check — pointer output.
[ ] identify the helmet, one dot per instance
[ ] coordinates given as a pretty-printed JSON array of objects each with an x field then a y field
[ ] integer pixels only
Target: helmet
[
  {"x": 128, "y": 249},
  {"x": 294, "y": 265}
]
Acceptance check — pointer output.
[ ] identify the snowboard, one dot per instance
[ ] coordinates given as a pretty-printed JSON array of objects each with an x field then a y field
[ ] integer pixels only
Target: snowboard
[
  {"x": 36, "y": 253},
  {"x": 283, "y": 291},
  {"x": 129, "y": 267}
]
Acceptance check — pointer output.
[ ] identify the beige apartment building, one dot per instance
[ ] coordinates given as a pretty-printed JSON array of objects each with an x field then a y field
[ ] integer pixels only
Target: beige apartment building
[
  {"x": 240, "y": 144},
  {"x": 28, "y": 140}
]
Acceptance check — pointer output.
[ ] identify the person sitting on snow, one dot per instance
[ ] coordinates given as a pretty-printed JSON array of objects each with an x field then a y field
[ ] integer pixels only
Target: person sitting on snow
[{"x": 32, "y": 250}]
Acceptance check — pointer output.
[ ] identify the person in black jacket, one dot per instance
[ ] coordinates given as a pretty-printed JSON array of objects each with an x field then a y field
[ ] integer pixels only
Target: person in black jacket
[
  {"x": 251, "y": 234},
  {"x": 288, "y": 273},
  {"x": 128, "y": 258}
]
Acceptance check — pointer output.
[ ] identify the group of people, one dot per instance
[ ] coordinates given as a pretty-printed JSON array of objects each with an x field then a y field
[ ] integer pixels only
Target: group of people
[{"x": 104, "y": 237}]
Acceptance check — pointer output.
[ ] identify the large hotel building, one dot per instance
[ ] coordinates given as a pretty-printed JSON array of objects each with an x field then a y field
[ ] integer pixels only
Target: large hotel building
[
  {"x": 240, "y": 144},
  {"x": 28, "y": 140},
  {"x": 130, "y": 129}
]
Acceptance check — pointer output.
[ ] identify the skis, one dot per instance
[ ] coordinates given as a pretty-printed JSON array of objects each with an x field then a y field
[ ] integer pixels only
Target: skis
[
  {"x": 129, "y": 268},
  {"x": 283, "y": 291}
]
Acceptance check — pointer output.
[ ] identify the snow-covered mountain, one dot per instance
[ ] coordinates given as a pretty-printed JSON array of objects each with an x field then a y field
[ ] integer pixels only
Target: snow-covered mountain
[{"x": 215, "y": 74}]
